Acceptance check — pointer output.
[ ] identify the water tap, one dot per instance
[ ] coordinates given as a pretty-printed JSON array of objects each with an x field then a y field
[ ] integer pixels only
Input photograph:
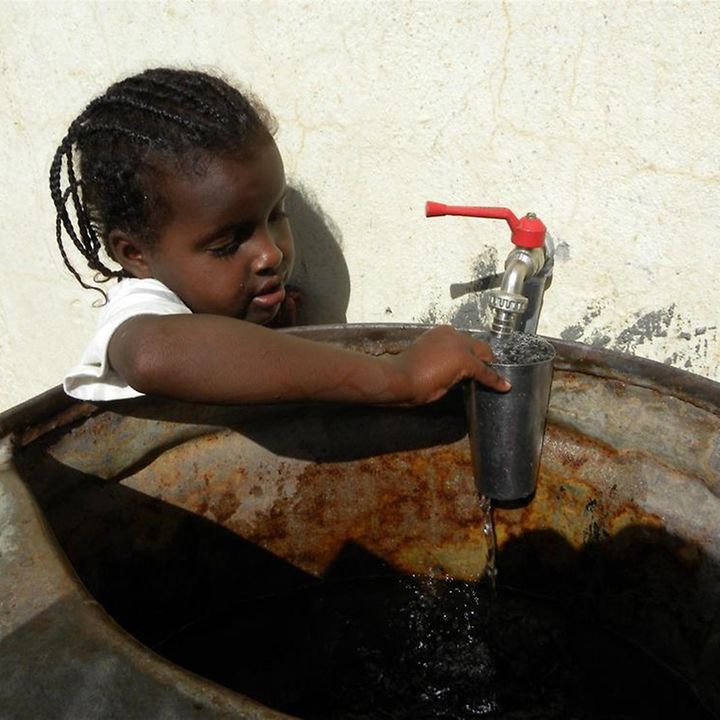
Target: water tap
[{"x": 517, "y": 302}]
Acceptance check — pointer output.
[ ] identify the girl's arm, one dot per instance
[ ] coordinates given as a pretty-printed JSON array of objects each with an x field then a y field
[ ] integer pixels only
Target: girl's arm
[{"x": 209, "y": 358}]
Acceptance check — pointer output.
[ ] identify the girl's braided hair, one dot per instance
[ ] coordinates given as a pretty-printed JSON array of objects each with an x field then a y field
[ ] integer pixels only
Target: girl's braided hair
[{"x": 124, "y": 137}]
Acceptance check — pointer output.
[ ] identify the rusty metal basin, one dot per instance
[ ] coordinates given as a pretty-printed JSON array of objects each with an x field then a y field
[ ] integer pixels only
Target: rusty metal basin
[{"x": 121, "y": 522}]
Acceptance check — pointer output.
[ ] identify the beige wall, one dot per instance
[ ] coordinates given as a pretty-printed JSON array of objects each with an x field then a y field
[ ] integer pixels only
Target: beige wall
[{"x": 599, "y": 116}]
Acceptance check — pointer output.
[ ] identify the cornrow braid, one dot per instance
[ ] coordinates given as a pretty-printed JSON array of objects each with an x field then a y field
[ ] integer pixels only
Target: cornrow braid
[
  {"x": 87, "y": 241},
  {"x": 169, "y": 90},
  {"x": 114, "y": 148}
]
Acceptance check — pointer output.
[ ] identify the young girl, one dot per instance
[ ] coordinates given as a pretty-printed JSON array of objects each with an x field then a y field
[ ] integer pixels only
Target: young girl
[{"x": 175, "y": 174}]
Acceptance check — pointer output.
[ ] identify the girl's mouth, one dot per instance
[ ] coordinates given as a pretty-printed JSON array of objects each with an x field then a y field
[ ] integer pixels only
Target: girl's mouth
[{"x": 269, "y": 299}]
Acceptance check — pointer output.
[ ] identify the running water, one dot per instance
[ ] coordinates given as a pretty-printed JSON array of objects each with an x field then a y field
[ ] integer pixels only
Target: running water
[{"x": 491, "y": 542}]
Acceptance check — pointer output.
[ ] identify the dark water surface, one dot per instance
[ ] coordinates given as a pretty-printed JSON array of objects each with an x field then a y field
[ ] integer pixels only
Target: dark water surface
[{"x": 399, "y": 648}]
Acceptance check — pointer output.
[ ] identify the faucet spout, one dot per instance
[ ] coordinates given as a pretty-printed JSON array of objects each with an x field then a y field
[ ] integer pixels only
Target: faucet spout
[
  {"x": 516, "y": 270},
  {"x": 510, "y": 303}
]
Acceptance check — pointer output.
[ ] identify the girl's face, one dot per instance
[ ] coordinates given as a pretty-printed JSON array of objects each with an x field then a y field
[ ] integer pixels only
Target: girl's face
[{"x": 227, "y": 248}]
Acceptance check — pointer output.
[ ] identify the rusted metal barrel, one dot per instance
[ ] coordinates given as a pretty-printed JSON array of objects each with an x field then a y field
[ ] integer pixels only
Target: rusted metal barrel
[{"x": 125, "y": 520}]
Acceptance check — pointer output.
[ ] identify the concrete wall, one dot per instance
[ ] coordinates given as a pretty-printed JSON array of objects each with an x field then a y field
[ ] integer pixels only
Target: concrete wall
[{"x": 599, "y": 116}]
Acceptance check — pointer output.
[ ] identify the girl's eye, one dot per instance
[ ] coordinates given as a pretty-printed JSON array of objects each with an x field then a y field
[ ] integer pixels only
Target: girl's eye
[
  {"x": 278, "y": 214},
  {"x": 225, "y": 250},
  {"x": 240, "y": 235}
]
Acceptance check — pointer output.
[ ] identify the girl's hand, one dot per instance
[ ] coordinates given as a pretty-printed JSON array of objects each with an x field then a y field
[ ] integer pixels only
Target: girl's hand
[{"x": 442, "y": 357}]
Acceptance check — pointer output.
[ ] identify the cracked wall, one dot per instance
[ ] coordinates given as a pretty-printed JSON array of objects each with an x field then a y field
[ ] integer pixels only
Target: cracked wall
[{"x": 601, "y": 117}]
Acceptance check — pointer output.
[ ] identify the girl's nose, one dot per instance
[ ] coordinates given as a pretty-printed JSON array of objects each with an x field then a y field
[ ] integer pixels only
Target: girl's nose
[{"x": 268, "y": 255}]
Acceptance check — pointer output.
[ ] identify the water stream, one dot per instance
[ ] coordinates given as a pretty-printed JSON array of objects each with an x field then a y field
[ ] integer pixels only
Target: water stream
[{"x": 488, "y": 528}]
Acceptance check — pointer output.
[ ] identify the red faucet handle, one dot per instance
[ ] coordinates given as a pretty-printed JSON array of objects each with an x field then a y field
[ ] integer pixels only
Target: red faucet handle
[
  {"x": 433, "y": 209},
  {"x": 528, "y": 232}
]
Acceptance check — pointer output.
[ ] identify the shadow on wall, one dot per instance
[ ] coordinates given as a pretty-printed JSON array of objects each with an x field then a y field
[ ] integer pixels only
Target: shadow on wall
[{"x": 320, "y": 269}]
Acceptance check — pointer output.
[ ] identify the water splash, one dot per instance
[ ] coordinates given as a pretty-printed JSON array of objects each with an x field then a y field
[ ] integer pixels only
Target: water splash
[{"x": 447, "y": 668}]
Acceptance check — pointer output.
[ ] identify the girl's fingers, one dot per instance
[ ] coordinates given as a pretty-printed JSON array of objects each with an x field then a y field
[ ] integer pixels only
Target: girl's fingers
[
  {"x": 484, "y": 374},
  {"x": 488, "y": 376}
]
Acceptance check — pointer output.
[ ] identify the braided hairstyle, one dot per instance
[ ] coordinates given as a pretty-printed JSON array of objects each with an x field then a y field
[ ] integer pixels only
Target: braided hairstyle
[{"x": 125, "y": 137}]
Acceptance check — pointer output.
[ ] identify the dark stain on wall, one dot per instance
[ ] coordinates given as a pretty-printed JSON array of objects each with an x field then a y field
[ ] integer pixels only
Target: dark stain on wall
[
  {"x": 485, "y": 264},
  {"x": 700, "y": 342},
  {"x": 472, "y": 311},
  {"x": 576, "y": 331},
  {"x": 695, "y": 347},
  {"x": 562, "y": 252},
  {"x": 651, "y": 325}
]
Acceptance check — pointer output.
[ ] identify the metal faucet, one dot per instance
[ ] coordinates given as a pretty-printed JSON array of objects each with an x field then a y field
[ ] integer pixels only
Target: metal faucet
[{"x": 517, "y": 302}]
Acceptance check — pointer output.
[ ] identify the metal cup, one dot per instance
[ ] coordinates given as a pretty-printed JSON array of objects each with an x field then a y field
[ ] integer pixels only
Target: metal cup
[{"x": 506, "y": 429}]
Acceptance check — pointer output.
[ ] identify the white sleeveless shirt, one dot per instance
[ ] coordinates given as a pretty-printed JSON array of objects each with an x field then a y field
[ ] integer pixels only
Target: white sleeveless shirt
[{"x": 94, "y": 378}]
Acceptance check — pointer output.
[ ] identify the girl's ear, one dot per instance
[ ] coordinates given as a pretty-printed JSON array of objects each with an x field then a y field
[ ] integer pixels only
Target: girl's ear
[{"x": 130, "y": 253}]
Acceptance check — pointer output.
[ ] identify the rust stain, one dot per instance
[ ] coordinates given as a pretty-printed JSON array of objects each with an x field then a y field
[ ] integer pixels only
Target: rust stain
[
  {"x": 570, "y": 460},
  {"x": 619, "y": 389},
  {"x": 416, "y": 510},
  {"x": 224, "y": 506}
]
